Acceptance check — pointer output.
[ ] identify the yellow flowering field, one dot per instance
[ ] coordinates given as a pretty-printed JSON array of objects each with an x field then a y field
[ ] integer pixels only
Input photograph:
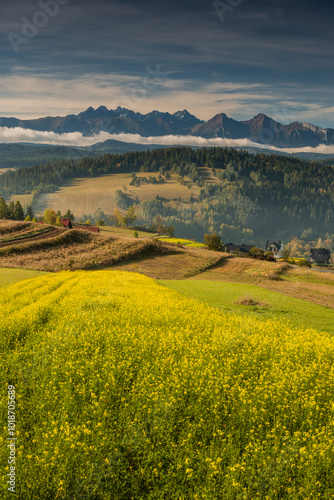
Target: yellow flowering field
[
  {"x": 187, "y": 243},
  {"x": 128, "y": 390}
]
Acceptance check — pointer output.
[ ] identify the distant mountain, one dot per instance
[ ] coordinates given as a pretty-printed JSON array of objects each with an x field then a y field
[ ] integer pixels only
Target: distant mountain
[
  {"x": 221, "y": 126},
  {"x": 261, "y": 129},
  {"x": 120, "y": 120}
]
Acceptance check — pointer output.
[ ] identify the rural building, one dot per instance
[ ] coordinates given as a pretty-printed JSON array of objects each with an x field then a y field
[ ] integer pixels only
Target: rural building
[
  {"x": 231, "y": 248},
  {"x": 320, "y": 255},
  {"x": 275, "y": 248},
  {"x": 67, "y": 223}
]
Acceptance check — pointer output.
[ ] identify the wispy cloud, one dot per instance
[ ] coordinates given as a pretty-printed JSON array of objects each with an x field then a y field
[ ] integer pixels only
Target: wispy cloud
[
  {"x": 14, "y": 135},
  {"x": 93, "y": 53},
  {"x": 26, "y": 95}
]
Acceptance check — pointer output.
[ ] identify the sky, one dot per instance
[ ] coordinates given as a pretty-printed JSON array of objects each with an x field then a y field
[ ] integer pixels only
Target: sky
[{"x": 240, "y": 57}]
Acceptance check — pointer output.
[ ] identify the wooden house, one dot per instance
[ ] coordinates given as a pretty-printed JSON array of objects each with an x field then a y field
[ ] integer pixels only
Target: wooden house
[
  {"x": 276, "y": 249},
  {"x": 320, "y": 256},
  {"x": 235, "y": 249}
]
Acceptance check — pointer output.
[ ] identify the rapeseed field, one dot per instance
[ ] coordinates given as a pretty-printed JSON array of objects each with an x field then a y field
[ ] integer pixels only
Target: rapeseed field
[
  {"x": 128, "y": 390},
  {"x": 186, "y": 243}
]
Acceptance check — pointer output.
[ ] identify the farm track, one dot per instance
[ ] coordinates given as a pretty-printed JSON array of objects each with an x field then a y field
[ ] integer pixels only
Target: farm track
[{"x": 19, "y": 241}]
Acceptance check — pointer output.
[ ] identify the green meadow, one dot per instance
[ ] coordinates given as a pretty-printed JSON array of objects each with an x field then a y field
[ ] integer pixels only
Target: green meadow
[
  {"x": 8, "y": 276},
  {"x": 225, "y": 296}
]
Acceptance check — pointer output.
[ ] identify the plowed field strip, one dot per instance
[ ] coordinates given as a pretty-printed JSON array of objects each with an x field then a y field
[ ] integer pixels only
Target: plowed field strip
[{"x": 46, "y": 235}]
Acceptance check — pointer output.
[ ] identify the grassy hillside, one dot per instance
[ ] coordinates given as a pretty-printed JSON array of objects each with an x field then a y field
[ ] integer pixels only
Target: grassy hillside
[
  {"x": 126, "y": 390},
  {"x": 251, "y": 300},
  {"x": 8, "y": 276},
  {"x": 46, "y": 248},
  {"x": 87, "y": 195}
]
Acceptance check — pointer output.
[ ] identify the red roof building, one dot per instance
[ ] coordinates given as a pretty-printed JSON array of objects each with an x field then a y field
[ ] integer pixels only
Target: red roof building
[{"x": 67, "y": 223}]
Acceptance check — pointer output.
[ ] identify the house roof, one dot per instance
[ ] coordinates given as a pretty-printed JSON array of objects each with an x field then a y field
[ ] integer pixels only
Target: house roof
[
  {"x": 246, "y": 247},
  {"x": 241, "y": 248},
  {"x": 277, "y": 245},
  {"x": 320, "y": 252}
]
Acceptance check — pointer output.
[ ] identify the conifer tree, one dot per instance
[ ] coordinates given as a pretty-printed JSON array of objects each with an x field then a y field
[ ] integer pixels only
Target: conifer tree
[
  {"x": 18, "y": 211},
  {"x": 11, "y": 210},
  {"x": 3, "y": 209},
  {"x": 30, "y": 211},
  {"x": 69, "y": 215}
]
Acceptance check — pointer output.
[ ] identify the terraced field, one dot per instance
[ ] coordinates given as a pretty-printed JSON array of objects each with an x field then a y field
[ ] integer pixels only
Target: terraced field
[
  {"x": 33, "y": 234},
  {"x": 26, "y": 245}
]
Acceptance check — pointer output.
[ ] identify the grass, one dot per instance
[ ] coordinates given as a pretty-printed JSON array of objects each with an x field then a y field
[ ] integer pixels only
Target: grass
[
  {"x": 127, "y": 390},
  {"x": 180, "y": 264},
  {"x": 86, "y": 195},
  {"x": 25, "y": 235},
  {"x": 183, "y": 242},
  {"x": 17, "y": 227},
  {"x": 308, "y": 284},
  {"x": 9, "y": 276},
  {"x": 74, "y": 249},
  {"x": 24, "y": 199},
  {"x": 126, "y": 232},
  {"x": 225, "y": 296}
]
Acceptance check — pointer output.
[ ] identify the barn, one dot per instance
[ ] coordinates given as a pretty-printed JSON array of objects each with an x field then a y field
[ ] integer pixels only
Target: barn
[{"x": 67, "y": 223}]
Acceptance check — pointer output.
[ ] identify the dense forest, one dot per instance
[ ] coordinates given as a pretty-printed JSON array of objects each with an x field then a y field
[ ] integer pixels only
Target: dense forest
[{"x": 256, "y": 196}]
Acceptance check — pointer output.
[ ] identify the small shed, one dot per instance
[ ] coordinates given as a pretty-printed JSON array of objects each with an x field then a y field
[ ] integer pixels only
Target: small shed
[{"x": 67, "y": 223}]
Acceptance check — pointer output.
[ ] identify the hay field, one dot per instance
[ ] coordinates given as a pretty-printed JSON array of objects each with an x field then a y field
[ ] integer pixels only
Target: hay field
[
  {"x": 24, "y": 199},
  {"x": 86, "y": 195}
]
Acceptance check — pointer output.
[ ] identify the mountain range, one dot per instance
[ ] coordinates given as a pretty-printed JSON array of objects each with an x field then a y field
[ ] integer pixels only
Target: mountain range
[{"x": 261, "y": 129}]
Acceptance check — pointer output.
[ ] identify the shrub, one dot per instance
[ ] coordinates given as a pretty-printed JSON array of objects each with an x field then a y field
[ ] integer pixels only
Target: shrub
[
  {"x": 100, "y": 222},
  {"x": 213, "y": 242},
  {"x": 304, "y": 263},
  {"x": 257, "y": 253}
]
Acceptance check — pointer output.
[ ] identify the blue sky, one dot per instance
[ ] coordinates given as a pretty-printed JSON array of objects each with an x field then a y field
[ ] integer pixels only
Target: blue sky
[{"x": 254, "y": 56}]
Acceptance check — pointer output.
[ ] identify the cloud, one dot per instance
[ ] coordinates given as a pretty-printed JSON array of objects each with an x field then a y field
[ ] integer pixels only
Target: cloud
[
  {"x": 26, "y": 95},
  {"x": 14, "y": 135},
  {"x": 260, "y": 41}
]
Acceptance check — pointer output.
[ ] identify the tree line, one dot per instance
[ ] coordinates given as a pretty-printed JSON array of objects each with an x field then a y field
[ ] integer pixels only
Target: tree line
[
  {"x": 255, "y": 196},
  {"x": 184, "y": 161},
  {"x": 14, "y": 210}
]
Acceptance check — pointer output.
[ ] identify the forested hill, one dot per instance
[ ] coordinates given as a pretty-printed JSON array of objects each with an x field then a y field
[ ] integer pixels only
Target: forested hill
[
  {"x": 255, "y": 194},
  {"x": 182, "y": 160}
]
